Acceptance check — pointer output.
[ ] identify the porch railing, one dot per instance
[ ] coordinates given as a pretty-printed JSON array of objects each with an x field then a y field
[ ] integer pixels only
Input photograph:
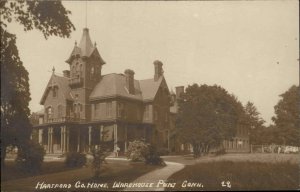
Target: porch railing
[{"x": 63, "y": 119}]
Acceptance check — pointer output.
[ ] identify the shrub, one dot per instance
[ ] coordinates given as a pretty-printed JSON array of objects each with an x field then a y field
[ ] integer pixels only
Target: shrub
[
  {"x": 137, "y": 150},
  {"x": 221, "y": 151},
  {"x": 163, "y": 151},
  {"x": 153, "y": 158},
  {"x": 75, "y": 159},
  {"x": 99, "y": 152},
  {"x": 30, "y": 157}
]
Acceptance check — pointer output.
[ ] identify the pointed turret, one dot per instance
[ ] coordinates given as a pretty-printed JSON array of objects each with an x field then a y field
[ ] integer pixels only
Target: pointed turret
[
  {"x": 86, "y": 44},
  {"x": 85, "y": 48}
]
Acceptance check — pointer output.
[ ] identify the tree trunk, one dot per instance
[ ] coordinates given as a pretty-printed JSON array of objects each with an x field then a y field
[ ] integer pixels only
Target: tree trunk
[
  {"x": 207, "y": 149},
  {"x": 197, "y": 150},
  {"x": 3, "y": 155}
]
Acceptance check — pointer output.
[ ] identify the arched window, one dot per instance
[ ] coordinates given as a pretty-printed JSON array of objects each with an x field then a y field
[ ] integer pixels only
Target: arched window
[
  {"x": 75, "y": 110},
  {"x": 49, "y": 113},
  {"x": 92, "y": 72}
]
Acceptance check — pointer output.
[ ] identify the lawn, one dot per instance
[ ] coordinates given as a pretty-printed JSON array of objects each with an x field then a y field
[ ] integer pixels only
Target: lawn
[
  {"x": 114, "y": 170},
  {"x": 230, "y": 175},
  {"x": 10, "y": 172}
]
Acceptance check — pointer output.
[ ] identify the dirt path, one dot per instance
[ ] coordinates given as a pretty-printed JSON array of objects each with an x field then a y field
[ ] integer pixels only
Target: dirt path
[{"x": 157, "y": 179}]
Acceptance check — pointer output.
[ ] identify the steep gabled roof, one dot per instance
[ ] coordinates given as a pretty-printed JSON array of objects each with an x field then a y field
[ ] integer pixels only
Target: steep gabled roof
[
  {"x": 112, "y": 85},
  {"x": 63, "y": 87},
  {"x": 149, "y": 88}
]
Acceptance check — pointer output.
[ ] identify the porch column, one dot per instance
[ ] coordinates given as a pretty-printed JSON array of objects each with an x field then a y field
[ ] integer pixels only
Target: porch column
[
  {"x": 48, "y": 144},
  {"x": 50, "y": 140},
  {"x": 125, "y": 143},
  {"x": 78, "y": 140},
  {"x": 101, "y": 132},
  {"x": 41, "y": 136},
  {"x": 90, "y": 138},
  {"x": 168, "y": 132},
  {"x": 62, "y": 139},
  {"x": 115, "y": 138},
  {"x": 67, "y": 138}
]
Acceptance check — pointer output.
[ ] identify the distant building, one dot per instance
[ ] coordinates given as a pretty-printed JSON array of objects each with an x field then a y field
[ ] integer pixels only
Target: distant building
[{"x": 83, "y": 103}]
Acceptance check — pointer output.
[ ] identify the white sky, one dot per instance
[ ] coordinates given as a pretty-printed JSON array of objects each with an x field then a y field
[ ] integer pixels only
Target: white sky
[{"x": 248, "y": 47}]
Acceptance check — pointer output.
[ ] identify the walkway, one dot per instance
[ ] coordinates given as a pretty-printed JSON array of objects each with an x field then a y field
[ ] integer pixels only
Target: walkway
[{"x": 157, "y": 179}]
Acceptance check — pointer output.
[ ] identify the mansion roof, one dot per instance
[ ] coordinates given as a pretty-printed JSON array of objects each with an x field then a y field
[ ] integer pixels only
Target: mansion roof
[
  {"x": 110, "y": 85},
  {"x": 115, "y": 85}
]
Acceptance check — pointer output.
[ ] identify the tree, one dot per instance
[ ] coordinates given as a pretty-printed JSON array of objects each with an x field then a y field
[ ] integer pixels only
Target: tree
[
  {"x": 207, "y": 115},
  {"x": 51, "y": 18},
  {"x": 254, "y": 122},
  {"x": 287, "y": 118}
]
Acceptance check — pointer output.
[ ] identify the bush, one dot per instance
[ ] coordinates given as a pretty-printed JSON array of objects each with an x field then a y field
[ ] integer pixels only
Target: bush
[
  {"x": 99, "y": 152},
  {"x": 153, "y": 158},
  {"x": 30, "y": 157},
  {"x": 220, "y": 152},
  {"x": 75, "y": 159},
  {"x": 137, "y": 150},
  {"x": 163, "y": 151}
]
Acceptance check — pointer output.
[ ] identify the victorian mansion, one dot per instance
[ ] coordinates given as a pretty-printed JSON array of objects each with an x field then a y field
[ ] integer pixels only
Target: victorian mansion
[{"x": 83, "y": 103}]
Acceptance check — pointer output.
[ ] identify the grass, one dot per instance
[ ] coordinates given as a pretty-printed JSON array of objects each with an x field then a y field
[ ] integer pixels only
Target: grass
[
  {"x": 10, "y": 172},
  {"x": 115, "y": 170},
  {"x": 241, "y": 175}
]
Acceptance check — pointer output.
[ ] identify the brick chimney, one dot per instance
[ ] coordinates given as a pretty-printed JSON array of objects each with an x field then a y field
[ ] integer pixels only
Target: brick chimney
[
  {"x": 179, "y": 91},
  {"x": 129, "y": 74},
  {"x": 158, "y": 70},
  {"x": 66, "y": 73}
]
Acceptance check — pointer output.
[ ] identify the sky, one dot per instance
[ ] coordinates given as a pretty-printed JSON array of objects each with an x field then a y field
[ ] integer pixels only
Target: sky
[{"x": 251, "y": 48}]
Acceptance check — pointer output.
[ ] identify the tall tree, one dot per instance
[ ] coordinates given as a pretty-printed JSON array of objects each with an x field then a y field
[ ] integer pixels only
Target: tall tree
[
  {"x": 207, "y": 115},
  {"x": 49, "y": 17},
  {"x": 254, "y": 122},
  {"x": 287, "y": 117}
]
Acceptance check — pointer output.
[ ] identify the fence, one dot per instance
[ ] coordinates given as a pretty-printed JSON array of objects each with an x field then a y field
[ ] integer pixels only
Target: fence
[{"x": 274, "y": 149}]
